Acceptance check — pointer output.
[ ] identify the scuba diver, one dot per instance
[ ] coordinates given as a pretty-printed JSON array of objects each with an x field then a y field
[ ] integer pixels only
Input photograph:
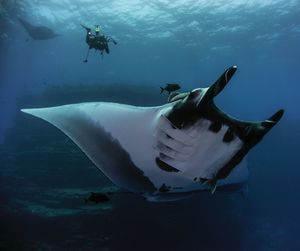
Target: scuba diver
[{"x": 97, "y": 41}]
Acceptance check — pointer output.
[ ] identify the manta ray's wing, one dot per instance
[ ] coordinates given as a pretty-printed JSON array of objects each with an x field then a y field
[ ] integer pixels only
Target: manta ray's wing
[
  {"x": 250, "y": 133},
  {"x": 107, "y": 133}
]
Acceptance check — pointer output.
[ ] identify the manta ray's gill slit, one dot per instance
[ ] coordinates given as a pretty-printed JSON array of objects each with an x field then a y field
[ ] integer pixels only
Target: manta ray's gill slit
[
  {"x": 165, "y": 127},
  {"x": 168, "y": 136},
  {"x": 161, "y": 146},
  {"x": 164, "y": 166},
  {"x": 166, "y": 150},
  {"x": 163, "y": 137},
  {"x": 173, "y": 150},
  {"x": 164, "y": 141}
]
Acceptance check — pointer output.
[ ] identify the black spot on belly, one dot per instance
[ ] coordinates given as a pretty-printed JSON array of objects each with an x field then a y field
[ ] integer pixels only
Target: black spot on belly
[
  {"x": 164, "y": 166},
  {"x": 229, "y": 136},
  {"x": 215, "y": 127}
]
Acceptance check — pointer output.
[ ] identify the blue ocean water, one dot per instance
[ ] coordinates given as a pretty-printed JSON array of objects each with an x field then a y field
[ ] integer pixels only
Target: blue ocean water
[{"x": 44, "y": 176}]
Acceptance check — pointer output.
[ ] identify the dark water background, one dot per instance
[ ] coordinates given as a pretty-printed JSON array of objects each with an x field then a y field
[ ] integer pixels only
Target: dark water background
[{"x": 44, "y": 176}]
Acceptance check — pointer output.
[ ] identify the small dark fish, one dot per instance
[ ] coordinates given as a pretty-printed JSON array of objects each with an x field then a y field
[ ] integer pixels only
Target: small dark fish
[
  {"x": 97, "y": 197},
  {"x": 170, "y": 88}
]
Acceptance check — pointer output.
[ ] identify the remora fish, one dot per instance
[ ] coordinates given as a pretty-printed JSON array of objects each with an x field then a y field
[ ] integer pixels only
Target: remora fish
[{"x": 170, "y": 88}]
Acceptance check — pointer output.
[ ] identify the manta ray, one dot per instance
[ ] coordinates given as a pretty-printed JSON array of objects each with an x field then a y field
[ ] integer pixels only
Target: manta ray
[
  {"x": 166, "y": 152},
  {"x": 38, "y": 32}
]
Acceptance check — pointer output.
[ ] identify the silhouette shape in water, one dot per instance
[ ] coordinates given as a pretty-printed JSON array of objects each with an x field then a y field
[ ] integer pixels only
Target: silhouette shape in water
[
  {"x": 38, "y": 32},
  {"x": 166, "y": 152}
]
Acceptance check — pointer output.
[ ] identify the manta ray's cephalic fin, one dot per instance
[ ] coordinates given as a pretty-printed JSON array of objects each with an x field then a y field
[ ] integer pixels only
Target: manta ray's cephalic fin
[
  {"x": 187, "y": 113},
  {"x": 218, "y": 86},
  {"x": 270, "y": 122}
]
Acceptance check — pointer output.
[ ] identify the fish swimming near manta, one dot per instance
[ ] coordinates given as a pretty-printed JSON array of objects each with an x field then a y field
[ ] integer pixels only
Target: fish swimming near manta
[
  {"x": 165, "y": 152},
  {"x": 170, "y": 88},
  {"x": 38, "y": 32}
]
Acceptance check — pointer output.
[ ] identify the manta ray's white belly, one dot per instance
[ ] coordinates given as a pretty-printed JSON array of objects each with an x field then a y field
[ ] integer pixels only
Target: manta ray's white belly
[{"x": 146, "y": 134}]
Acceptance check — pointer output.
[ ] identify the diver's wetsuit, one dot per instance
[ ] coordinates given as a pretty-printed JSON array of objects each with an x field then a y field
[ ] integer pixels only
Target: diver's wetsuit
[{"x": 98, "y": 42}]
